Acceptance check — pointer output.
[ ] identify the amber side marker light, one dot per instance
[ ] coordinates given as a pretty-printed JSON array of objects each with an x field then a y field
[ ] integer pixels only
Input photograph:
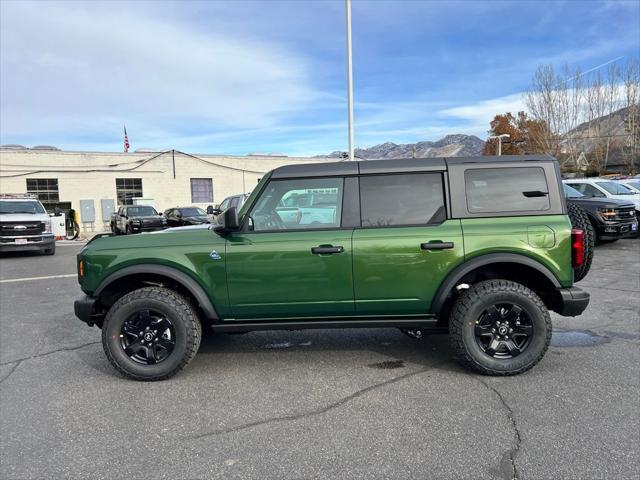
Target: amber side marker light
[{"x": 81, "y": 268}]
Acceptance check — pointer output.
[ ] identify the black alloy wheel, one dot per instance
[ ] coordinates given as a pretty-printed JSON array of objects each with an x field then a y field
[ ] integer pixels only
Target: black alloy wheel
[
  {"x": 503, "y": 330},
  {"x": 147, "y": 337}
]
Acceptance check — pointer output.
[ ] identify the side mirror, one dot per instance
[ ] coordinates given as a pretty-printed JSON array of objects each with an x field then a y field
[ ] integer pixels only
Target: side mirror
[
  {"x": 178, "y": 215},
  {"x": 228, "y": 222},
  {"x": 210, "y": 210}
]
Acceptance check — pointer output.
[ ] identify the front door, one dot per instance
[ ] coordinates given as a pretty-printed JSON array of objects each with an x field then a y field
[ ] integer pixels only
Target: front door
[
  {"x": 406, "y": 245},
  {"x": 292, "y": 259}
]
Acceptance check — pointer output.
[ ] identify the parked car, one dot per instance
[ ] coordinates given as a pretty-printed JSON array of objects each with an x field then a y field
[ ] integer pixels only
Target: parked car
[
  {"x": 632, "y": 184},
  {"x": 612, "y": 219},
  {"x": 236, "y": 201},
  {"x": 181, "y": 216},
  {"x": 25, "y": 225},
  {"x": 604, "y": 188},
  {"x": 136, "y": 219},
  {"x": 480, "y": 248}
]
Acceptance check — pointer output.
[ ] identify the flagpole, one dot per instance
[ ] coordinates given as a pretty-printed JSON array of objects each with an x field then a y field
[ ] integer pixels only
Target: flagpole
[{"x": 349, "y": 81}]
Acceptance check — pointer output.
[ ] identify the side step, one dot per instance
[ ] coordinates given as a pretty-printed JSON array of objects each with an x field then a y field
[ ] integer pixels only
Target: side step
[{"x": 422, "y": 323}]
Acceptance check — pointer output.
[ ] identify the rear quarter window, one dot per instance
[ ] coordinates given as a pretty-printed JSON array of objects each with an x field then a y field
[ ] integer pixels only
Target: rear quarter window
[{"x": 497, "y": 190}]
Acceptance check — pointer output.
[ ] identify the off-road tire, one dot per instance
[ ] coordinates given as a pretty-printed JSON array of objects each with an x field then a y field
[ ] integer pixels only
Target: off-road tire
[
  {"x": 183, "y": 318},
  {"x": 580, "y": 220},
  {"x": 468, "y": 308}
]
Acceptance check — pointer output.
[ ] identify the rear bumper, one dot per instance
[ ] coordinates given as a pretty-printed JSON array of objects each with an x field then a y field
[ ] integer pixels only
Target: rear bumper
[
  {"x": 84, "y": 308},
  {"x": 573, "y": 301},
  {"x": 34, "y": 243}
]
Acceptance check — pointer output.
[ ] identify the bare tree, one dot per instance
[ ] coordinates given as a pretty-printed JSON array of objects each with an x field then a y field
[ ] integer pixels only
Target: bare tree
[{"x": 631, "y": 99}]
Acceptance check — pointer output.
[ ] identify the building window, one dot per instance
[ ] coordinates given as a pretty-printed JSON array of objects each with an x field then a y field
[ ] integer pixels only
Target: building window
[
  {"x": 201, "y": 190},
  {"x": 127, "y": 189},
  {"x": 45, "y": 188}
]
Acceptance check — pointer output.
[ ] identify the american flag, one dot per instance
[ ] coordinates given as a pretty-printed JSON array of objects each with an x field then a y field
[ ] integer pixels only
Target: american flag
[{"x": 126, "y": 140}]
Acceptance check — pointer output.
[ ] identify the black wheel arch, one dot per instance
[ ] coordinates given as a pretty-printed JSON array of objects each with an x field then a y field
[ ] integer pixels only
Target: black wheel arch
[
  {"x": 152, "y": 273},
  {"x": 494, "y": 264}
]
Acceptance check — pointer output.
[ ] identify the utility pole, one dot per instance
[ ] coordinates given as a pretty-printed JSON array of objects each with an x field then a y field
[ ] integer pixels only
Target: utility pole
[
  {"x": 499, "y": 138},
  {"x": 349, "y": 80}
]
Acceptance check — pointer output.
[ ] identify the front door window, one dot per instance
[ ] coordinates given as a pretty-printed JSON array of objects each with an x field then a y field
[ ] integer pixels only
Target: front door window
[{"x": 303, "y": 204}]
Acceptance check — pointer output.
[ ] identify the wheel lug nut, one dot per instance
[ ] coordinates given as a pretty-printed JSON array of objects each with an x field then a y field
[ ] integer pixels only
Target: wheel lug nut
[
  {"x": 511, "y": 330},
  {"x": 493, "y": 330},
  {"x": 506, "y": 337}
]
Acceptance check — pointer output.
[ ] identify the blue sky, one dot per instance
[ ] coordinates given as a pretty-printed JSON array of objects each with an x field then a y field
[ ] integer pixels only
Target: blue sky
[{"x": 267, "y": 76}]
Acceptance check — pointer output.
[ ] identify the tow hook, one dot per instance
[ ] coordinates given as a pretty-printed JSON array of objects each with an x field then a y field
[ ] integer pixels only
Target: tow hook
[{"x": 412, "y": 332}]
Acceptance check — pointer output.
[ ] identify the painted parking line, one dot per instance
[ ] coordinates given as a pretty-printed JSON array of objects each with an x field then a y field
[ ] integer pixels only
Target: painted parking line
[{"x": 30, "y": 279}]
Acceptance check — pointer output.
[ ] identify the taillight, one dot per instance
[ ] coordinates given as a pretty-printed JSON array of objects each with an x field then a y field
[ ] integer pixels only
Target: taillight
[{"x": 577, "y": 247}]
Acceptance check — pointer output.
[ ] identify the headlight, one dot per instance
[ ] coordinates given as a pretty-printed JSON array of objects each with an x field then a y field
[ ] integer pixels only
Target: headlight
[
  {"x": 47, "y": 227},
  {"x": 607, "y": 213},
  {"x": 136, "y": 222}
]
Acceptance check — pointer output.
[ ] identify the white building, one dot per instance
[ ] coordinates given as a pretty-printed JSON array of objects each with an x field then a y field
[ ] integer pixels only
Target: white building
[{"x": 94, "y": 183}]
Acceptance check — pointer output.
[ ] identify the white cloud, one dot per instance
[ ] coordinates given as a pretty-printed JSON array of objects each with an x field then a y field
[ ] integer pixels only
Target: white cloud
[
  {"x": 475, "y": 117},
  {"x": 67, "y": 66}
]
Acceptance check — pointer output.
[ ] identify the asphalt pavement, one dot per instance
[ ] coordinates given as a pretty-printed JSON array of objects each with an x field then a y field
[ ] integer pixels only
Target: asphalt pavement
[{"x": 317, "y": 404}]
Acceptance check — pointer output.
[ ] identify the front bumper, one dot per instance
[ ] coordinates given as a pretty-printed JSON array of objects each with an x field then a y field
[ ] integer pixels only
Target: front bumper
[
  {"x": 572, "y": 301},
  {"x": 35, "y": 242},
  {"x": 145, "y": 228},
  {"x": 84, "y": 308},
  {"x": 614, "y": 231}
]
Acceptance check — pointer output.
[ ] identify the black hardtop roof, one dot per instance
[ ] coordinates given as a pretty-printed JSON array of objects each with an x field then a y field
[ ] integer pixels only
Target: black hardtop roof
[{"x": 396, "y": 165}]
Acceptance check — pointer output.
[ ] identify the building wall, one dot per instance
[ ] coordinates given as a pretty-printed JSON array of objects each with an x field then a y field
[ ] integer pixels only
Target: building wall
[{"x": 92, "y": 175}]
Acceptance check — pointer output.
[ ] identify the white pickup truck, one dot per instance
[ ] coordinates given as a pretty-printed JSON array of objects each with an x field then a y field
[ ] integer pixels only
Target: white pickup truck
[{"x": 25, "y": 225}]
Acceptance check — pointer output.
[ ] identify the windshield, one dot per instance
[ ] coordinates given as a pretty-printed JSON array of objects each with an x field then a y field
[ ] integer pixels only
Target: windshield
[
  {"x": 31, "y": 207},
  {"x": 192, "y": 212},
  {"x": 571, "y": 192},
  {"x": 141, "y": 211},
  {"x": 635, "y": 185},
  {"x": 614, "y": 188}
]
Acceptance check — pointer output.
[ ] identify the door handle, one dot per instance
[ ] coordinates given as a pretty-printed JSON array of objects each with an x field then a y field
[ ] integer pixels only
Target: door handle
[
  {"x": 327, "y": 249},
  {"x": 436, "y": 245}
]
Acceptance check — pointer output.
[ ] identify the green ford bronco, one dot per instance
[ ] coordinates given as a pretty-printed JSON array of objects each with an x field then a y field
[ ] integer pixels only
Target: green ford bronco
[{"x": 479, "y": 248}]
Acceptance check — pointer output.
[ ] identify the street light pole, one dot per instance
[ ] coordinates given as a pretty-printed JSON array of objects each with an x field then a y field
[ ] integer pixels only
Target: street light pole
[
  {"x": 349, "y": 80},
  {"x": 499, "y": 138}
]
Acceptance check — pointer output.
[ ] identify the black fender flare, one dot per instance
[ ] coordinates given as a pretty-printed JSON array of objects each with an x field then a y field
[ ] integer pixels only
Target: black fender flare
[
  {"x": 461, "y": 270},
  {"x": 170, "y": 272}
]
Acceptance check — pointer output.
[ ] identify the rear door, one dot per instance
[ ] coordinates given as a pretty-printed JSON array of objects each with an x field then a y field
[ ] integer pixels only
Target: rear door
[{"x": 405, "y": 246}]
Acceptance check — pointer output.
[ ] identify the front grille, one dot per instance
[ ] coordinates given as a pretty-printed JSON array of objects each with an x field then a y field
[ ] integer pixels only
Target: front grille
[
  {"x": 625, "y": 214},
  {"x": 20, "y": 229}
]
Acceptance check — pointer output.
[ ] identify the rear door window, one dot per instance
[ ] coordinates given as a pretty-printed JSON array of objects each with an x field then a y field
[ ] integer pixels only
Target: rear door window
[
  {"x": 517, "y": 189},
  {"x": 390, "y": 200}
]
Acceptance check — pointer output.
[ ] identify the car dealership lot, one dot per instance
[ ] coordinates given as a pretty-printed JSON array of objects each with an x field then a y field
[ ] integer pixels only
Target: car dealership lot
[{"x": 317, "y": 404}]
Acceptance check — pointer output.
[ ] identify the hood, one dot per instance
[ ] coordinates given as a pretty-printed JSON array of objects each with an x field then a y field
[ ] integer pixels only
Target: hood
[
  {"x": 25, "y": 217},
  {"x": 199, "y": 226},
  {"x": 634, "y": 199},
  {"x": 170, "y": 238},
  {"x": 601, "y": 202}
]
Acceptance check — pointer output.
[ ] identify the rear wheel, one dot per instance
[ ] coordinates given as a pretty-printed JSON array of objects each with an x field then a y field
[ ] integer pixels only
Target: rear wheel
[
  {"x": 500, "y": 327},
  {"x": 580, "y": 220},
  {"x": 151, "y": 334}
]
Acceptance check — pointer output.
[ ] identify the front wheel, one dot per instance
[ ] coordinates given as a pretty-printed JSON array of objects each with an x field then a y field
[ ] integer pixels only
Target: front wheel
[
  {"x": 151, "y": 334},
  {"x": 500, "y": 327}
]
